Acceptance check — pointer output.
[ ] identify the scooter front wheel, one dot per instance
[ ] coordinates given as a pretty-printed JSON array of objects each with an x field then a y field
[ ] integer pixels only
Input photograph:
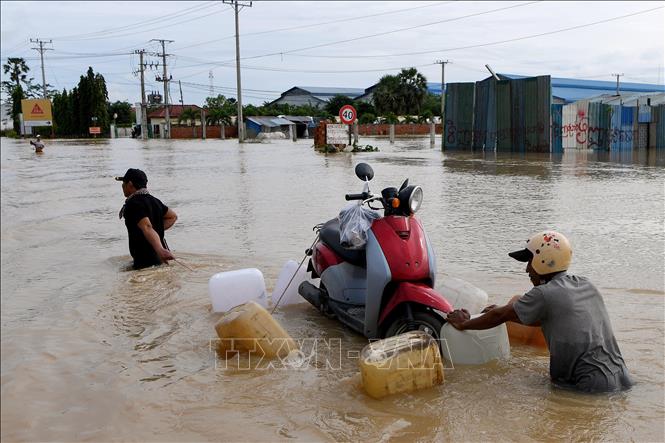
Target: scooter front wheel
[{"x": 422, "y": 320}]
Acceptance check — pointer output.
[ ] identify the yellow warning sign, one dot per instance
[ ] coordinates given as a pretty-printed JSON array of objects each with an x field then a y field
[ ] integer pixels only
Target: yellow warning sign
[{"x": 36, "y": 110}]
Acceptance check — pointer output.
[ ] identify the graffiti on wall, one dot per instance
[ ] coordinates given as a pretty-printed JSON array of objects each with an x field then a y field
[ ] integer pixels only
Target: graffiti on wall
[{"x": 583, "y": 135}]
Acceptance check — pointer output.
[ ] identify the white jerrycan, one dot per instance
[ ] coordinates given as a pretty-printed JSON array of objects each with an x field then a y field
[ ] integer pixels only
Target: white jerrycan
[
  {"x": 291, "y": 295},
  {"x": 233, "y": 288},
  {"x": 474, "y": 347}
]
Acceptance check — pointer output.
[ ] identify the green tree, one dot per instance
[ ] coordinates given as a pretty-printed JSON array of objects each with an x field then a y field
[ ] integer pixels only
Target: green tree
[
  {"x": 190, "y": 115},
  {"x": 17, "y": 88},
  {"x": 413, "y": 88},
  {"x": 92, "y": 102},
  {"x": 335, "y": 104},
  {"x": 401, "y": 94},
  {"x": 124, "y": 111},
  {"x": 432, "y": 104},
  {"x": 367, "y": 118},
  {"x": 387, "y": 97}
]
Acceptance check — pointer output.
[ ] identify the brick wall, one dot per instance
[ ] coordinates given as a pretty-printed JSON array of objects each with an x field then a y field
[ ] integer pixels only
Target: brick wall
[
  {"x": 384, "y": 129},
  {"x": 187, "y": 132}
]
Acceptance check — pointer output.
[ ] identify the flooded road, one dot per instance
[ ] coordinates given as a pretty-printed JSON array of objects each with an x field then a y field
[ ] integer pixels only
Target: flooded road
[{"x": 93, "y": 352}]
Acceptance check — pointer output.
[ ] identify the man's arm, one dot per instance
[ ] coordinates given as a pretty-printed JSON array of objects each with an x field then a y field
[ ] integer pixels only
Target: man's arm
[
  {"x": 153, "y": 238},
  {"x": 461, "y": 320},
  {"x": 169, "y": 218}
]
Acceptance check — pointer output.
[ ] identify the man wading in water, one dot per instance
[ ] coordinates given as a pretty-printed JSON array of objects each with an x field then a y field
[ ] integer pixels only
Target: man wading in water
[
  {"x": 584, "y": 354},
  {"x": 146, "y": 219},
  {"x": 39, "y": 146}
]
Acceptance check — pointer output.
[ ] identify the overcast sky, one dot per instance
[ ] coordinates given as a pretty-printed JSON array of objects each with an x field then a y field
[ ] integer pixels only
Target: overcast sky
[{"x": 335, "y": 44}]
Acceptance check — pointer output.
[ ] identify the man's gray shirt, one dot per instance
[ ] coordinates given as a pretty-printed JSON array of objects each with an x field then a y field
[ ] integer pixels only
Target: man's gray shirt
[{"x": 583, "y": 351}]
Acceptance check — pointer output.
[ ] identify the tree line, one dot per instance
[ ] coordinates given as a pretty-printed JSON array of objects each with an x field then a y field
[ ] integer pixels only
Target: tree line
[
  {"x": 404, "y": 94},
  {"x": 74, "y": 111}
]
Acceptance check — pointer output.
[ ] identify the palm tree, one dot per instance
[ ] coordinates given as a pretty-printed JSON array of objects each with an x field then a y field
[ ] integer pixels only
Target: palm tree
[
  {"x": 189, "y": 114},
  {"x": 414, "y": 89},
  {"x": 18, "y": 87}
]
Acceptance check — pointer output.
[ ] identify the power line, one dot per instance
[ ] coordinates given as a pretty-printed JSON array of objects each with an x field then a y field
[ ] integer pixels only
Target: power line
[
  {"x": 170, "y": 16},
  {"x": 481, "y": 44},
  {"x": 165, "y": 79},
  {"x": 348, "y": 40},
  {"x": 41, "y": 51},
  {"x": 312, "y": 25}
]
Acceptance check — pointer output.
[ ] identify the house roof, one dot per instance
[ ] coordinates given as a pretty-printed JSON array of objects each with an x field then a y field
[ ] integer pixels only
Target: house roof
[
  {"x": 631, "y": 99},
  {"x": 325, "y": 93},
  {"x": 297, "y": 118},
  {"x": 174, "y": 111},
  {"x": 571, "y": 89},
  {"x": 270, "y": 121}
]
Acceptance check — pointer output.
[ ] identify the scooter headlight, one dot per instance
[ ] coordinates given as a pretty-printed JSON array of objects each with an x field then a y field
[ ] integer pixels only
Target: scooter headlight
[{"x": 416, "y": 199}]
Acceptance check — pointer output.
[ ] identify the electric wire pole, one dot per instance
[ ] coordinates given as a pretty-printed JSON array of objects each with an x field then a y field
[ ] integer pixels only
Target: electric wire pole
[
  {"x": 617, "y": 76},
  {"x": 236, "y": 5},
  {"x": 165, "y": 79},
  {"x": 41, "y": 50},
  {"x": 443, "y": 99},
  {"x": 144, "y": 109}
]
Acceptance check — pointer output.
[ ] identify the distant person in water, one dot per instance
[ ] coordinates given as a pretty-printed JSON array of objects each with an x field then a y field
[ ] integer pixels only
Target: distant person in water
[
  {"x": 146, "y": 219},
  {"x": 584, "y": 355},
  {"x": 39, "y": 146}
]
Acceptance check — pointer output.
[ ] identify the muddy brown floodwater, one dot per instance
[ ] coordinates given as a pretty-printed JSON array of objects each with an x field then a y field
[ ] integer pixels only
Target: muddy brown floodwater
[{"x": 94, "y": 352}]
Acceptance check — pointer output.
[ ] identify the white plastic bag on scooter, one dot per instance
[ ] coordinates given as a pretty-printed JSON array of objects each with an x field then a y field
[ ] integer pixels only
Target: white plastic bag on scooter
[{"x": 354, "y": 221}]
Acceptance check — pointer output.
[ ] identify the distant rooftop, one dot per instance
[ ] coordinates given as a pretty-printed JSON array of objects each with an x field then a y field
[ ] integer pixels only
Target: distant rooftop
[{"x": 571, "y": 89}]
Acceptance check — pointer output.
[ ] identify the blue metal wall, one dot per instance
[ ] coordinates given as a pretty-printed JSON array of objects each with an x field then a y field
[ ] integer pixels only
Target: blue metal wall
[{"x": 557, "y": 120}]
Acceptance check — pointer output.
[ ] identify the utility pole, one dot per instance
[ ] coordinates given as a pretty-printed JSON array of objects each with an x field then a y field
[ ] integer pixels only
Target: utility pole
[
  {"x": 144, "y": 108},
  {"x": 236, "y": 6},
  {"x": 41, "y": 50},
  {"x": 617, "y": 76},
  {"x": 165, "y": 79},
  {"x": 180, "y": 86},
  {"x": 443, "y": 99},
  {"x": 212, "y": 87}
]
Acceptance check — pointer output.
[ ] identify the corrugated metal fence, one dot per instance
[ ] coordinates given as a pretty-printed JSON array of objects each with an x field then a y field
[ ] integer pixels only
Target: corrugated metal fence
[
  {"x": 507, "y": 115},
  {"x": 518, "y": 115},
  {"x": 459, "y": 115},
  {"x": 599, "y": 126}
]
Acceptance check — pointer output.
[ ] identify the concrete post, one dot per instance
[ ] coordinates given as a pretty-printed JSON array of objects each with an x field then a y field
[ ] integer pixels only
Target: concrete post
[
  {"x": 204, "y": 126},
  {"x": 113, "y": 133},
  {"x": 292, "y": 133},
  {"x": 222, "y": 134},
  {"x": 432, "y": 134},
  {"x": 355, "y": 132},
  {"x": 392, "y": 133}
]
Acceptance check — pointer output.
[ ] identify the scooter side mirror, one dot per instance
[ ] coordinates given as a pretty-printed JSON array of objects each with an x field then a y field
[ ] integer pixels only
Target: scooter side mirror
[
  {"x": 404, "y": 185},
  {"x": 364, "y": 171}
]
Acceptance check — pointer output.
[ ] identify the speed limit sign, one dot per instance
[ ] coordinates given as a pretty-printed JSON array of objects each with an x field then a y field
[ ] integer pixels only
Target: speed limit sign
[{"x": 348, "y": 114}]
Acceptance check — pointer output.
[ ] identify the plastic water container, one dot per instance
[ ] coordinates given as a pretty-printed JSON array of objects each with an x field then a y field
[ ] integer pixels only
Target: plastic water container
[
  {"x": 462, "y": 294},
  {"x": 233, "y": 288},
  {"x": 474, "y": 347},
  {"x": 291, "y": 295},
  {"x": 249, "y": 327},
  {"x": 402, "y": 363},
  {"x": 520, "y": 334}
]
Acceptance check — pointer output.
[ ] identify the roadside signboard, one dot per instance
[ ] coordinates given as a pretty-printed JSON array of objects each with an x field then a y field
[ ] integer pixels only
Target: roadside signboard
[
  {"x": 36, "y": 112},
  {"x": 95, "y": 130},
  {"x": 348, "y": 114},
  {"x": 337, "y": 134}
]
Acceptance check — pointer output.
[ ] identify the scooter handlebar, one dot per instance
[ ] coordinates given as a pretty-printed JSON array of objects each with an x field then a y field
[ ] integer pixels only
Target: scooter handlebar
[{"x": 363, "y": 196}]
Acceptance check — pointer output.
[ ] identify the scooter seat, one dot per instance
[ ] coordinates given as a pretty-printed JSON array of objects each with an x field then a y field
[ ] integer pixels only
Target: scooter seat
[{"x": 330, "y": 236}]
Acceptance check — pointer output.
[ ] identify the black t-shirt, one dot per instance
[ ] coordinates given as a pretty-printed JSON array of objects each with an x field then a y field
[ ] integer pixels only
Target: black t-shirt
[{"x": 136, "y": 208}]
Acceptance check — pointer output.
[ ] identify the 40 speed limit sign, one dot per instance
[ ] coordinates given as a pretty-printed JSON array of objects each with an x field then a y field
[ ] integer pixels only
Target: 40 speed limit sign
[{"x": 347, "y": 114}]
